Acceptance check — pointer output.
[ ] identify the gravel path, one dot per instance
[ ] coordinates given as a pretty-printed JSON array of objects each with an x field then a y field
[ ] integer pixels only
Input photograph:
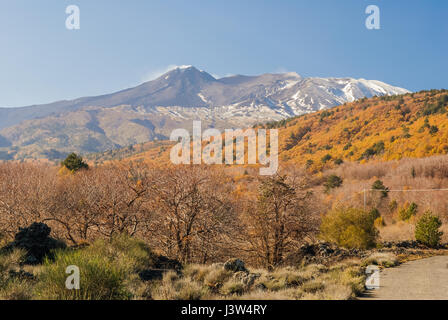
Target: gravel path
[{"x": 416, "y": 280}]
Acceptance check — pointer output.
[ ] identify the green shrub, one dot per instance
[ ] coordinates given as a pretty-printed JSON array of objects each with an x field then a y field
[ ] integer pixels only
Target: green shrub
[
  {"x": 332, "y": 182},
  {"x": 379, "y": 185},
  {"x": 393, "y": 205},
  {"x": 435, "y": 108},
  {"x": 427, "y": 230},
  {"x": 100, "y": 278},
  {"x": 296, "y": 137},
  {"x": 433, "y": 130},
  {"x": 408, "y": 211},
  {"x": 350, "y": 228},
  {"x": 377, "y": 149},
  {"x": 379, "y": 222},
  {"x": 326, "y": 158},
  {"x": 73, "y": 162},
  {"x": 309, "y": 163},
  {"x": 375, "y": 213},
  {"x": 105, "y": 267}
]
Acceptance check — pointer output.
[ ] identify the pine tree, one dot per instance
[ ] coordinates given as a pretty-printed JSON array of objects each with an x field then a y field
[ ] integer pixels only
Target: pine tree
[{"x": 74, "y": 162}]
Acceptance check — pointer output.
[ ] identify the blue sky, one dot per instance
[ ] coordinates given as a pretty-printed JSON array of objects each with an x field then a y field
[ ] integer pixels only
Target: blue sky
[{"x": 122, "y": 43}]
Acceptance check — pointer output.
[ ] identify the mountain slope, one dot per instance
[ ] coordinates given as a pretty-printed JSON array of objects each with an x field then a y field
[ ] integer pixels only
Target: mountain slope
[
  {"x": 152, "y": 110},
  {"x": 377, "y": 129},
  {"x": 380, "y": 128}
]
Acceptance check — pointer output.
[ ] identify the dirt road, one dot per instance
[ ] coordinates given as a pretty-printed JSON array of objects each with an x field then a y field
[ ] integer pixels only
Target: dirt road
[{"x": 416, "y": 280}]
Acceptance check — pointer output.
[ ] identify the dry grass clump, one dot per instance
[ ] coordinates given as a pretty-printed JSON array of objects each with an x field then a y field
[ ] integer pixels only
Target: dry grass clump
[
  {"x": 260, "y": 294},
  {"x": 354, "y": 277},
  {"x": 202, "y": 282},
  {"x": 217, "y": 277},
  {"x": 111, "y": 270},
  {"x": 312, "y": 269},
  {"x": 284, "y": 278},
  {"x": 342, "y": 281},
  {"x": 197, "y": 272},
  {"x": 313, "y": 286},
  {"x": 290, "y": 276},
  {"x": 331, "y": 291},
  {"x": 233, "y": 287},
  {"x": 172, "y": 287},
  {"x": 17, "y": 289},
  {"x": 383, "y": 259},
  {"x": 13, "y": 286},
  {"x": 399, "y": 231}
]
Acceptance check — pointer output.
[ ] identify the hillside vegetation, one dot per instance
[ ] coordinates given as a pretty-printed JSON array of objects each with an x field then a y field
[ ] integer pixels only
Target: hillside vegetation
[
  {"x": 413, "y": 125},
  {"x": 152, "y": 110},
  {"x": 369, "y": 178},
  {"x": 383, "y": 128}
]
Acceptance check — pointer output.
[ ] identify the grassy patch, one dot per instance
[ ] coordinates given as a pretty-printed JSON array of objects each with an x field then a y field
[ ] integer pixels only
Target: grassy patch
[
  {"x": 110, "y": 270},
  {"x": 107, "y": 269},
  {"x": 383, "y": 259},
  {"x": 342, "y": 281}
]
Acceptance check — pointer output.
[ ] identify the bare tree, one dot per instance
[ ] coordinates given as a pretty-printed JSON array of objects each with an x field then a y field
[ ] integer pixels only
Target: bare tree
[
  {"x": 280, "y": 219},
  {"x": 26, "y": 192},
  {"x": 192, "y": 212}
]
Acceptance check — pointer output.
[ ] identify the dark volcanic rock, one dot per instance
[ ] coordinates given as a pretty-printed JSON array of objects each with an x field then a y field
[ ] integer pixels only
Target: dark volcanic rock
[
  {"x": 160, "y": 265},
  {"x": 162, "y": 262},
  {"x": 235, "y": 265},
  {"x": 321, "y": 253},
  {"x": 152, "y": 274},
  {"x": 406, "y": 244}
]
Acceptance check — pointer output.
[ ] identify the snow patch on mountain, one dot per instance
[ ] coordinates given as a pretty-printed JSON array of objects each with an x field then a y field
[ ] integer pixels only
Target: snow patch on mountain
[{"x": 185, "y": 92}]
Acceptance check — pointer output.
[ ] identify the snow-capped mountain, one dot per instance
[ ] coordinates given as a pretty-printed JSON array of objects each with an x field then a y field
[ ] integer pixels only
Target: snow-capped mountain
[{"x": 152, "y": 109}]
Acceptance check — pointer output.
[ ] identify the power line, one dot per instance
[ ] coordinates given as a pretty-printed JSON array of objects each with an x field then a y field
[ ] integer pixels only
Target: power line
[
  {"x": 404, "y": 190},
  {"x": 408, "y": 190},
  {"x": 386, "y": 190}
]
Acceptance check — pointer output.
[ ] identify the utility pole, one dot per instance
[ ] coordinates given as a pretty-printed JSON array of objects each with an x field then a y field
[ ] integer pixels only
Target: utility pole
[{"x": 365, "y": 200}]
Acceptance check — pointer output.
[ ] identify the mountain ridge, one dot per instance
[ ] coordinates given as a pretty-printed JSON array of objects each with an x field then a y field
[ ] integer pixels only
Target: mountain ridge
[
  {"x": 377, "y": 129},
  {"x": 151, "y": 110}
]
